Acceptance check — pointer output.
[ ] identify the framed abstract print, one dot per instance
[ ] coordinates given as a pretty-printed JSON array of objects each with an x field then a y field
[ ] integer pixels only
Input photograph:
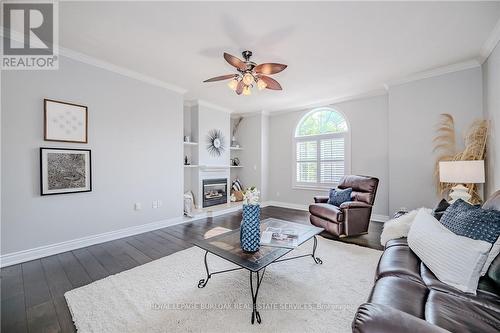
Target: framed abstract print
[
  {"x": 65, "y": 122},
  {"x": 65, "y": 170}
]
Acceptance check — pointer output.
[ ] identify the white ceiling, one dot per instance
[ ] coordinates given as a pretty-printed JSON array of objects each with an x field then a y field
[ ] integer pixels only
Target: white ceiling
[{"x": 333, "y": 49}]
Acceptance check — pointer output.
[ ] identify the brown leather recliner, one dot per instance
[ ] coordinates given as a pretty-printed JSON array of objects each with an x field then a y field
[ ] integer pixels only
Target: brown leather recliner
[{"x": 352, "y": 217}]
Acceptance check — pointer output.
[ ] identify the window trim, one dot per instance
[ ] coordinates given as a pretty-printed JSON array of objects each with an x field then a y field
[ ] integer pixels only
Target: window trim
[{"x": 317, "y": 137}]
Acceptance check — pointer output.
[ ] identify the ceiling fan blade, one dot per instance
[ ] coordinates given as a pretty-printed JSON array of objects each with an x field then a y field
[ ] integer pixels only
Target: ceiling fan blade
[
  {"x": 239, "y": 87},
  {"x": 220, "y": 78},
  {"x": 271, "y": 83},
  {"x": 269, "y": 68},
  {"x": 233, "y": 61}
]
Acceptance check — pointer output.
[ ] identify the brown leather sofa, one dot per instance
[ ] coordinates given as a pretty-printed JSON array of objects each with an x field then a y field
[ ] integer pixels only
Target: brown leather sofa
[
  {"x": 407, "y": 297},
  {"x": 352, "y": 217}
]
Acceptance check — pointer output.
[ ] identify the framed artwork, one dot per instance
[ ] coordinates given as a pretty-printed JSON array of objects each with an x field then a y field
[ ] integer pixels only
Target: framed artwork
[
  {"x": 65, "y": 122},
  {"x": 215, "y": 142},
  {"x": 65, "y": 171}
]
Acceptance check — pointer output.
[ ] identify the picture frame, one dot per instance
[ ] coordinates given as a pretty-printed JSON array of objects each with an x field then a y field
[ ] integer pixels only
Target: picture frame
[
  {"x": 64, "y": 170},
  {"x": 65, "y": 122}
]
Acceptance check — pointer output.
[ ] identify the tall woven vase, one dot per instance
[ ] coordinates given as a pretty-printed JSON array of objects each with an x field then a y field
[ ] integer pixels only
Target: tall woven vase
[{"x": 250, "y": 228}]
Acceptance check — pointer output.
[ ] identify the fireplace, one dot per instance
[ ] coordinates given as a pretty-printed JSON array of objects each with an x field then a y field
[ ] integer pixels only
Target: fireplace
[{"x": 214, "y": 192}]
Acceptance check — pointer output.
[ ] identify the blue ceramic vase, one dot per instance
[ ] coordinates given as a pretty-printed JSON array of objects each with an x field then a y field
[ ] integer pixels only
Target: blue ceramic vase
[{"x": 250, "y": 228}]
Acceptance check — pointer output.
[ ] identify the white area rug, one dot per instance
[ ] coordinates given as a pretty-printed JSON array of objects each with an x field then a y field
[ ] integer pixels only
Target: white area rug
[{"x": 295, "y": 296}]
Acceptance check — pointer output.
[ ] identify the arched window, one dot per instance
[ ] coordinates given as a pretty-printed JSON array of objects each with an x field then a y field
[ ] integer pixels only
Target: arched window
[{"x": 321, "y": 148}]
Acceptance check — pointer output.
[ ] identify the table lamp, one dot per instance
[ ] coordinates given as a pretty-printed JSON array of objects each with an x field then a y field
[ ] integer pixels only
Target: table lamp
[{"x": 461, "y": 172}]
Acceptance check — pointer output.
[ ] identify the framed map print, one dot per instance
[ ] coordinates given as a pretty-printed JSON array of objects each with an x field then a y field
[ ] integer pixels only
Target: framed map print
[
  {"x": 65, "y": 171},
  {"x": 65, "y": 122}
]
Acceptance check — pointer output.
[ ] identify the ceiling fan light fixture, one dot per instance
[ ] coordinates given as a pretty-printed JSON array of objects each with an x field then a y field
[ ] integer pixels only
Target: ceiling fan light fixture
[
  {"x": 261, "y": 85},
  {"x": 233, "y": 84},
  {"x": 247, "y": 91},
  {"x": 248, "y": 79},
  {"x": 250, "y": 74}
]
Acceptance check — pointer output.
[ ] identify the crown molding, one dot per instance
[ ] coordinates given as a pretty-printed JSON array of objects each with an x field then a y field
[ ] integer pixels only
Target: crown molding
[
  {"x": 490, "y": 43},
  {"x": 72, "y": 54},
  {"x": 383, "y": 89},
  {"x": 457, "y": 67},
  {"x": 190, "y": 103},
  {"x": 250, "y": 114},
  {"x": 324, "y": 102},
  {"x": 78, "y": 56},
  {"x": 201, "y": 102}
]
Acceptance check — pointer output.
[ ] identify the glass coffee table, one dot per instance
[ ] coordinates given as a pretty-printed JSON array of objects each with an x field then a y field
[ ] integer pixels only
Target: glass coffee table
[{"x": 227, "y": 246}]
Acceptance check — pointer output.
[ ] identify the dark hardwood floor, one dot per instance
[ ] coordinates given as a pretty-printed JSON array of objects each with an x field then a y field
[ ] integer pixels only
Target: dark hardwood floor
[{"x": 32, "y": 293}]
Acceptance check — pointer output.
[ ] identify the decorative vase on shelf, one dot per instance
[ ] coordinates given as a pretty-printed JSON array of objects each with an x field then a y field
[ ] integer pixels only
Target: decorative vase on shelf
[
  {"x": 234, "y": 142},
  {"x": 250, "y": 226}
]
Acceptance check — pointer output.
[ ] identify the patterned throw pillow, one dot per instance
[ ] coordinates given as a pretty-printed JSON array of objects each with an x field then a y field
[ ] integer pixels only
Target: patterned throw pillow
[
  {"x": 471, "y": 221},
  {"x": 237, "y": 185},
  {"x": 338, "y": 196}
]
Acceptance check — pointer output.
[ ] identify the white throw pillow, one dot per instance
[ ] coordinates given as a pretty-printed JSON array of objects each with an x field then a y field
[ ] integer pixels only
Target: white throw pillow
[
  {"x": 455, "y": 260},
  {"x": 399, "y": 227}
]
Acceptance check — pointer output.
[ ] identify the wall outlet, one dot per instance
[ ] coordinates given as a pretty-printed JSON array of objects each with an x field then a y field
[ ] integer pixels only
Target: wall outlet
[
  {"x": 138, "y": 206},
  {"x": 157, "y": 203}
]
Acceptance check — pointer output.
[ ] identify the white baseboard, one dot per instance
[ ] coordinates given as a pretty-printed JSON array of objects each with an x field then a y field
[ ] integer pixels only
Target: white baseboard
[
  {"x": 379, "y": 218},
  {"x": 48, "y": 250},
  {"x": 287, "y": 205}
]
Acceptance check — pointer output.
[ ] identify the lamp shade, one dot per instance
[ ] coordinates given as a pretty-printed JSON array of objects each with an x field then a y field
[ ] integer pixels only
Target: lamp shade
[{"x": 463, "y": 172}]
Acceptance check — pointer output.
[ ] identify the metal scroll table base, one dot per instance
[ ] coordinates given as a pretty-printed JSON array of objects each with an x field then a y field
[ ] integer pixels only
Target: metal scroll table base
[{"x": 257, "y": 276}]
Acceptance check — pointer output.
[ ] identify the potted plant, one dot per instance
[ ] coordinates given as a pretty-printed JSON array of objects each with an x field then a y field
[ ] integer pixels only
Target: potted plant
[{"x": 250, "y": 226}]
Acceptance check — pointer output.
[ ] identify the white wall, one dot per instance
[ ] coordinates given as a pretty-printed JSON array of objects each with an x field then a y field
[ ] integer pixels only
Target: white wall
[
  {"x": 368, "y": 126},
  {"x": 491, "y": 88},
  {"x": 414, "y": 110},
  {"x": 391, "y": 138},
  {"x": 135, "y": 133},
  {"x": 265, "y": 158},
  {"x": 253, "y": 136},
  {"x": 210, "y": 118},
  {"x": 250, "y": 139}
]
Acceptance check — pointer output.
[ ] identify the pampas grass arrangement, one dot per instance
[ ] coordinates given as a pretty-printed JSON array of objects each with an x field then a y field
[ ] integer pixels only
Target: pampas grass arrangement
[
  {"x": 445, "y": 146},
  {"x": 236, "y": 126},
  {"x": 475, "y": 149}
]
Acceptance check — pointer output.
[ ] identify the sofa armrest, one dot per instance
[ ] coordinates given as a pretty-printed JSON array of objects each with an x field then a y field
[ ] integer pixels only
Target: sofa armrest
[
  {"x": 321, "y": 199},
  {"x": 377, "y": 318},
  {"x": 354, "y": 204}
]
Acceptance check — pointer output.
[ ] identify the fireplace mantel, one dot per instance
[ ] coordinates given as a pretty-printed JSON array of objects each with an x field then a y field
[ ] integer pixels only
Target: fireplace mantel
[{"x": 214, "y": 168}]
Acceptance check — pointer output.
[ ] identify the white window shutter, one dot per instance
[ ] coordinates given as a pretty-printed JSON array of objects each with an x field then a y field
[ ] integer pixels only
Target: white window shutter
[
  {"x": 332, "y": 158},
  {"x": 307, "y": 152}
]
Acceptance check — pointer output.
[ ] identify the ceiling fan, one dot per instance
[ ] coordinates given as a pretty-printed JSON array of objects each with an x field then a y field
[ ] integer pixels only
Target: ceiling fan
[{"x": 249, "y": 73}]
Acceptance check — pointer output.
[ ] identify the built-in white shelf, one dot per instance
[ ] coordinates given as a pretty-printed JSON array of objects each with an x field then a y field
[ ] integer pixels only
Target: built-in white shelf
[
  {"x": 191, "y": 166},
  {"x": 236, "y": 166},
  {"x": 190, "y": 143},
  {"x": 235, "y": 148}
]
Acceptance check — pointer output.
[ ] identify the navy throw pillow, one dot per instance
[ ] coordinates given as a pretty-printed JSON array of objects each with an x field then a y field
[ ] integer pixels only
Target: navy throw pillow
[
  {"x": 338, "y": 196},
  {"x": 441, "y": 207},
  {"x": 472, "y": 221}
]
